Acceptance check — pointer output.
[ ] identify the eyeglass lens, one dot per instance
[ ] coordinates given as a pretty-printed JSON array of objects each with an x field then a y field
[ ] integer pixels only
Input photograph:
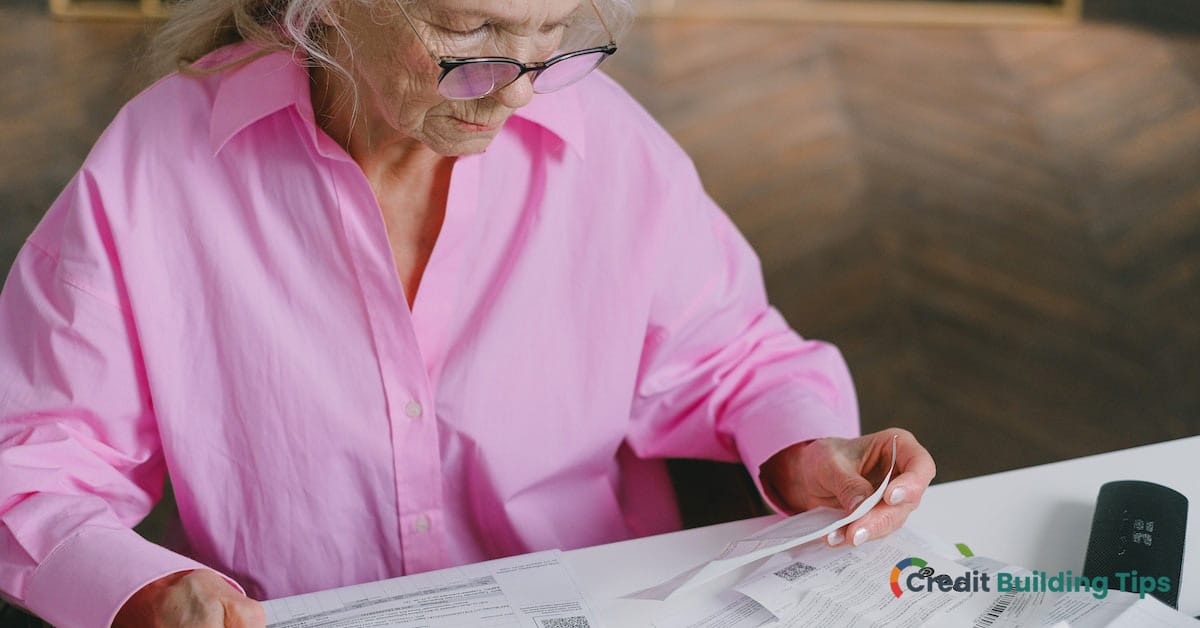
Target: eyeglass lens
[
  {"x": 476, "y": 80},
  {"x": 567, "y": 71}
]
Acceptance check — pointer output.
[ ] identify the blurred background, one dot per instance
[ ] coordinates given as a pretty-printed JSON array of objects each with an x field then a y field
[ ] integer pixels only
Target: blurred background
[{"x": 997, "y": 222}]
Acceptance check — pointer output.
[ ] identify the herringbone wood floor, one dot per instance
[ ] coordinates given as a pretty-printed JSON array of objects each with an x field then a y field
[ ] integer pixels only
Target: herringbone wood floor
[{"x": 1001, "y": 228}]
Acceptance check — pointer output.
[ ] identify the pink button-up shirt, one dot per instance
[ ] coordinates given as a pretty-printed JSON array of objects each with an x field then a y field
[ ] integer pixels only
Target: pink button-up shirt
[{"x": 213, "y": 296}]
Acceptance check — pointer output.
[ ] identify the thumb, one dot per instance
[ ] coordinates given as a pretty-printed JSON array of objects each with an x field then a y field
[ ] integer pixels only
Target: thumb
[
  {"x": 244, "y": 613},
  {"x": 851, "y": 489},
  {"x": 240, "y": 611}
]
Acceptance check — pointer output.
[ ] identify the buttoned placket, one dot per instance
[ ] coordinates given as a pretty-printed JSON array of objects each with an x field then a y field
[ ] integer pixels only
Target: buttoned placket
[{"x": 409, "y": 344}]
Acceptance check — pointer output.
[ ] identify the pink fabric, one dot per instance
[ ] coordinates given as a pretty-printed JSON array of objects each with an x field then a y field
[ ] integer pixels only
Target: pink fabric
[{"x": 213, "y": 296}]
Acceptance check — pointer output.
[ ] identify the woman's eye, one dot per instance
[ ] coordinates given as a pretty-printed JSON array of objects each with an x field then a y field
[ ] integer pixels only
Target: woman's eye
[{"x": 467, "y": 33}]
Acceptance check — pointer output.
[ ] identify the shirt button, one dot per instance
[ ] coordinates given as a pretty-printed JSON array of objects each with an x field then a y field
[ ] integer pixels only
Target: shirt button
[
  {"x": 413, "y": 409},
  {"x": 422, "y": 524}
]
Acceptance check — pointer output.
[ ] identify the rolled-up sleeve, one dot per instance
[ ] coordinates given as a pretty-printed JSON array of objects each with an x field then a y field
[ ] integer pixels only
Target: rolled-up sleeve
[
  {"x": 723, "y": 376},
  {"x": 80, "y": 458}
]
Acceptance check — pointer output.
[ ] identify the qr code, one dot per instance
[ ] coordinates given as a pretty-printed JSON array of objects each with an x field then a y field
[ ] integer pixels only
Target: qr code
[
  {"x": 566, "y": 622},
  {"x": 795, "y": 571}
]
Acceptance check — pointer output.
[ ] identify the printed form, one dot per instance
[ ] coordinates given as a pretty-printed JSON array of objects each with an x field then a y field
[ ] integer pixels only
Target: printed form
[
  {"x": 529, "y": 591},
  {"x": 843, "y": 587}
]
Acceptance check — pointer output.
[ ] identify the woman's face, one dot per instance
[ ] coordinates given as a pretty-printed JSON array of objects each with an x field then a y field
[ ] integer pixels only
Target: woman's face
[{"x": 397, "y": 80}]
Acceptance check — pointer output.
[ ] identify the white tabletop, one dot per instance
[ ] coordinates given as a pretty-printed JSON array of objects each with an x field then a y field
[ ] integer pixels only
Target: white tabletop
[{"x": 1038, "y": 517}]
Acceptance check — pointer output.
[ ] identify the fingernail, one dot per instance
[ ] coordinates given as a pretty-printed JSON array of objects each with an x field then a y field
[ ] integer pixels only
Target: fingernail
[
  {"x": 835, "y": 538},
  {"x": 860, "y": 536},
  {"x": 856, "y": 501},
  {"x": 898, "y": 495}
]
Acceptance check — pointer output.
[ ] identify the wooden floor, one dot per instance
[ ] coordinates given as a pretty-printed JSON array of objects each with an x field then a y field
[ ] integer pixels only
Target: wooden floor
[{"x": 1000, "y": 227}]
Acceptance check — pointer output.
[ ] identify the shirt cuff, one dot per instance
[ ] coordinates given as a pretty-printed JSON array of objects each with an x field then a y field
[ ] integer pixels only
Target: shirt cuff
[
  {"x": 773, "y": 426},
  {"x": 90, "y": 576}
]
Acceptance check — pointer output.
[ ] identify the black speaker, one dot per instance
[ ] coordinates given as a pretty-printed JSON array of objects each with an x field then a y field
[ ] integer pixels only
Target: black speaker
[{"x": 1137, "y": 539}]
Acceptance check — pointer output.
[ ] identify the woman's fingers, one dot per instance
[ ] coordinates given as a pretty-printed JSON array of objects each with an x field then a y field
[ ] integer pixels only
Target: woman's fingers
[
  {"x": 914, "y": 470},
  {"x": 839, "y": 472}
]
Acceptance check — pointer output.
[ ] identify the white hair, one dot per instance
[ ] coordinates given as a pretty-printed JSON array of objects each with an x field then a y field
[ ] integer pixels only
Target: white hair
[{"x": 197, "y": 27}]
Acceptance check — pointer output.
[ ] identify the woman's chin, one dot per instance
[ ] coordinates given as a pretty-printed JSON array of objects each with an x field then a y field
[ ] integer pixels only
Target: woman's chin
[
  {"x": 452, "y": 137},
  {"x": 459, "y": 146}
]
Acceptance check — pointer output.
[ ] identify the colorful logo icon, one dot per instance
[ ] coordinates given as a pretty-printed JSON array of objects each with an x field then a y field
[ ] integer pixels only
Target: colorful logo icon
[{"x": 911, "y": 561}]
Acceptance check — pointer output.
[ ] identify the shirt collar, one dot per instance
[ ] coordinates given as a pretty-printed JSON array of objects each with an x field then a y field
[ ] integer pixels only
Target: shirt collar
[
  {"x": 253, "y": 91},
  {"x": 559, "y": 112},
  {"x": 263, "y": 86}
]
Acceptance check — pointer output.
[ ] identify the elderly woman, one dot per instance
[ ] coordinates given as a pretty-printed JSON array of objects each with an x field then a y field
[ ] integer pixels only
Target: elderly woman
[{"x": 387, "y": 288}]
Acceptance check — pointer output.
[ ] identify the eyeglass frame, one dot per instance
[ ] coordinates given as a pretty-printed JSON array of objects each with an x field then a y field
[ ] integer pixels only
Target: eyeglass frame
[{"x": 451, "y": 63}]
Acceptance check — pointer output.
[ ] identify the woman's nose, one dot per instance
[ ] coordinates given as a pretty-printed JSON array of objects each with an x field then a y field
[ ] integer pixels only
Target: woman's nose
[{"x": 516, "y": 94}]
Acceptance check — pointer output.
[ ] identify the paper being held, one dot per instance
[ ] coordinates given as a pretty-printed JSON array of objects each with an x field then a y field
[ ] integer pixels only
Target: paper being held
[{"x": 793, "y": 531}]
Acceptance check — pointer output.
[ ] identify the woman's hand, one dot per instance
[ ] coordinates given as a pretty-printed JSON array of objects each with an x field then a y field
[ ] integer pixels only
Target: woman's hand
[
  {"x": 191, "y": 599},
  {"x": 841, "y": 473}
]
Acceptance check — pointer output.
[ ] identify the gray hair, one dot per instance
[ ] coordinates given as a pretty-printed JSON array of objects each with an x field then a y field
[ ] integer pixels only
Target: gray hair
[{"x": 197, "y": 27}]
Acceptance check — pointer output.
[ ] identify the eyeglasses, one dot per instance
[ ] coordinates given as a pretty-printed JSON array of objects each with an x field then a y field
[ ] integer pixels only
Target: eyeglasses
[{"x": 468, "y": 78}]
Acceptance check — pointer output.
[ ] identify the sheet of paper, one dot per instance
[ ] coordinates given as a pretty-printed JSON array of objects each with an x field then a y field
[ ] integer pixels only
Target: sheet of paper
[
  {"x": 529, "y": 591},
  {"x": 793, "y": 531},
  {"x": 842, "y": 587},
  {"x": 727, "y": 609},
  {"x": 1120, "y": 609},
  {"x": 823, "y": 586}
]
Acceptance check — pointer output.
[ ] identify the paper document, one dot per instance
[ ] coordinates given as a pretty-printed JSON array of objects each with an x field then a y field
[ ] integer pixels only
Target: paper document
[
  {"x": 846, "y": 587},
  {"x": 793, "y": 531},
  {"x": 529, "y": 591},
  {"x": 834, "y": 587}
]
